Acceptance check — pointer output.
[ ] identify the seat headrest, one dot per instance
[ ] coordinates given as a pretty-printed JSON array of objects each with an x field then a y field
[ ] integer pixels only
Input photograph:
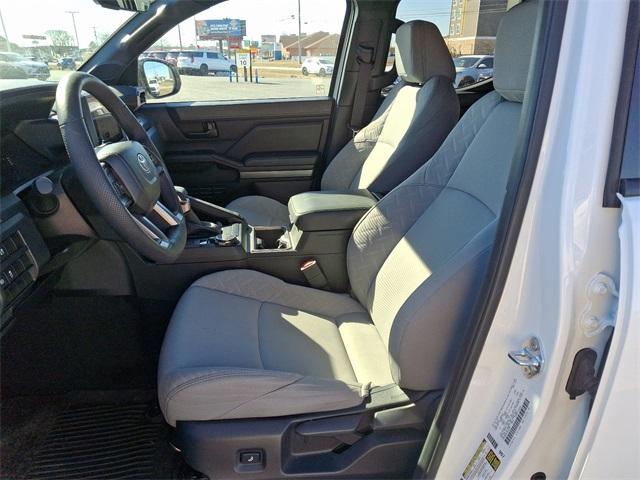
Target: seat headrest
[
  {"x": 422, "y": 53},
  {"x": 514, "y": 47}
]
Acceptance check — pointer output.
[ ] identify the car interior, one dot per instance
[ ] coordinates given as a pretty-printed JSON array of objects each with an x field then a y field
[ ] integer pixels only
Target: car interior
[{"x": 258, "y": 289}]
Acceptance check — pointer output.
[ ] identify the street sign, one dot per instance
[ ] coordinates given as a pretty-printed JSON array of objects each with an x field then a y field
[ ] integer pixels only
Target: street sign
[
  {"x": 220, "y": 29},
  {"x": 243, "y": 59}
]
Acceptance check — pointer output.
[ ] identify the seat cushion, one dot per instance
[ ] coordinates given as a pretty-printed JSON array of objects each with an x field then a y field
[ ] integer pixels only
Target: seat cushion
[
  {"x": 243, "y": 344},
  {"x": 261, "y": 211}
]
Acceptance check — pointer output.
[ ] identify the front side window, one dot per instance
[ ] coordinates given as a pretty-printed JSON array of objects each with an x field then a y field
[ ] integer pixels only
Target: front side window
[{"x": 256, "y": 50}]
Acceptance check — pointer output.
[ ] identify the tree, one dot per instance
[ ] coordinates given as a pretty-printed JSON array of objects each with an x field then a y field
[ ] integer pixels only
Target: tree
[
  {"x": 61, "y": 41},
  {"x": 101, "y": 37}
]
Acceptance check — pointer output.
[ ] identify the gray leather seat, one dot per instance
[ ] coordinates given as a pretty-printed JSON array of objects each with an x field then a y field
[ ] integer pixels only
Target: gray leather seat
[
  {"x": 410, "y": 125},
  {"x": 243, "y": 344}
]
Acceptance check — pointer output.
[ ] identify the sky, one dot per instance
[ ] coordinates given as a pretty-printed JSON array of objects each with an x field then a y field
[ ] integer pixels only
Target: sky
[{"x": 34, "y": 17}]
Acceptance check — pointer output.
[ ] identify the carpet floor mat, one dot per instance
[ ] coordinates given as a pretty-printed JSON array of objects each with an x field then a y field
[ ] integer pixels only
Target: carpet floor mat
[
  {"x": 102, "y": 441},
  {"x": 83, "y": 441}
]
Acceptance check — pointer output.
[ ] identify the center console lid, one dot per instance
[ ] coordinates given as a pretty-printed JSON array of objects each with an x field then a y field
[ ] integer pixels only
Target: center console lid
[{"x": 328, "y": 210}]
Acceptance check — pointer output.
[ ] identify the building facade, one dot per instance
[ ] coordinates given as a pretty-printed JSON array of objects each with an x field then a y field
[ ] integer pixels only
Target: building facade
[{"x": 473, "y": 25}]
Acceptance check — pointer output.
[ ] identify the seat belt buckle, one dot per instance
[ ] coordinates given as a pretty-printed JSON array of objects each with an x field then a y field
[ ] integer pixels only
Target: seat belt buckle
[{"x": 314, "y": 274}]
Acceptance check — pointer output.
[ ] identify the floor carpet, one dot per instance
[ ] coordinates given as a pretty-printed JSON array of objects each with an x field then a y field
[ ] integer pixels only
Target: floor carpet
[{"x": 87, "y": 436}]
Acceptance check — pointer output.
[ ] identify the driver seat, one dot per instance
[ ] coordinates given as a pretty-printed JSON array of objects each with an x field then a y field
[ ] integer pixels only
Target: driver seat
[{"x": 243, "y": 344}]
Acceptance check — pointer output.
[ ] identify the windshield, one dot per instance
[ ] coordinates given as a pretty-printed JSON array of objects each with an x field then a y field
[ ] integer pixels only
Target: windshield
[
  {"x": 57, "y": 36},
  {"x": 464, "y": 62}
]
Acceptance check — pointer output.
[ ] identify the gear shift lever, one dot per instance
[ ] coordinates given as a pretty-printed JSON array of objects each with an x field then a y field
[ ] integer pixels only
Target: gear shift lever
[{"x": 195, "y": 226}]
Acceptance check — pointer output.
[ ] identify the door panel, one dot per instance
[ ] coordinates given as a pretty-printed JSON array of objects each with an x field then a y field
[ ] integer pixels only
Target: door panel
[{"x": 225, "y": 150}]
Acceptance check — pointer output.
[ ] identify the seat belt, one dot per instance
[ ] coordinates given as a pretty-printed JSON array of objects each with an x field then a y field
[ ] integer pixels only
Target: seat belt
[
  {"x": 365, "y": 58},
  {"x": 387, "y": 78}
]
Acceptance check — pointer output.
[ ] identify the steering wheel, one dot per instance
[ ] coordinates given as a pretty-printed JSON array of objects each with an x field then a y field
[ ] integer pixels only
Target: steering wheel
[{"x": 127, "y": 181}]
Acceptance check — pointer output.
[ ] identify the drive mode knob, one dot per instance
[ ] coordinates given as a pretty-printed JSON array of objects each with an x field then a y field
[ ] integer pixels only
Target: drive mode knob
[{"x": 42, "y": 199}]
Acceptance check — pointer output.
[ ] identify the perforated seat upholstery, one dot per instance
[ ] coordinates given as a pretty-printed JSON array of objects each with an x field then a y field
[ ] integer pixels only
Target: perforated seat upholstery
[
  {"x": 407, "y": 129},
  {"x": 243, "y": 344}
]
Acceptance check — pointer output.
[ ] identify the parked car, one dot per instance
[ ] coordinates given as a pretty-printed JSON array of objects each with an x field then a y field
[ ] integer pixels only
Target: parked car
[
  {"x": 154, "y": 86},
  {"x": 202, "y": 62},
  {"x": 318, "y": 65},
  {"x": 31, "y": 69},
  {"x": 471, "y": 69},
  {"x": 9, "y": 71},
  {"x": 66, "y": 63}
]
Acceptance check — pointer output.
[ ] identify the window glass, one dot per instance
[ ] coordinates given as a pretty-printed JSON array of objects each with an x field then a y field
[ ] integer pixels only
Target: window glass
[
  {"x": 47, "y": 39},
  {"x": 487, "y": 62},
  {"x": 469, "y": 32},
  {"x": 253, "y": 50}
]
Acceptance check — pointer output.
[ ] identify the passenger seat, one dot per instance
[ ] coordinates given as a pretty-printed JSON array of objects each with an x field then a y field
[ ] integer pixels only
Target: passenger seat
[{"x": 412, "y": 122}]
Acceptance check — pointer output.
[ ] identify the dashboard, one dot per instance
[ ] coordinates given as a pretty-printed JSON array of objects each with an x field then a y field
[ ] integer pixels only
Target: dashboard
[
  {"x": 20, "y": 163},
  {"x": 32, "y": 155}
]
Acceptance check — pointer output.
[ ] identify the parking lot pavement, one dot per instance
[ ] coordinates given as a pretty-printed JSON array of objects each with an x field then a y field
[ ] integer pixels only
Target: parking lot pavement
[
  {"x": 219, "y": 88},
  {"x": 212, "y": 88}
]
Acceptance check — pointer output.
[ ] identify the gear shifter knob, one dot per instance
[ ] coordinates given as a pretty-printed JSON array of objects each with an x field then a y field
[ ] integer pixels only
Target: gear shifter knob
[{"x": 183, "y": 199}]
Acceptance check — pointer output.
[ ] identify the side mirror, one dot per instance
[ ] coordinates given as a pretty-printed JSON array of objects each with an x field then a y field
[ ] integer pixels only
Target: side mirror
[
  {"x": 482, "y": 65},
  {"x": 159, "y": 78}
]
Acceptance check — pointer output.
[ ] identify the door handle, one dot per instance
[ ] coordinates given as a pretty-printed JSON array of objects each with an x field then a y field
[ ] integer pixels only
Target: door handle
[{"x": 209, "y": 130}]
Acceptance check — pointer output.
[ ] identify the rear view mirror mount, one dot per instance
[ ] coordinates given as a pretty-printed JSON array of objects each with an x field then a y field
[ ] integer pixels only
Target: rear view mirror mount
[{"x": 130, "y": 5}]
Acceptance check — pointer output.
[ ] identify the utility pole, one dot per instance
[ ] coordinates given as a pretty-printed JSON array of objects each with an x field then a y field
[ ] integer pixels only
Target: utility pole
[
  {"x": 180, "y": 37},
  {"x": 299, "y": 35},
  {"x": 4, "y": 29},
  {"x": 73, "y": 18},
  {"x": 95, "y": 33}
]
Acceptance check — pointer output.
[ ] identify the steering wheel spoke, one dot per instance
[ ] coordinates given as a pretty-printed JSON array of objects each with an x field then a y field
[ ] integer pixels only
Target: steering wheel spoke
[
  {"x": 164, "y": 218},
  {"x": 151, "y": 230}
]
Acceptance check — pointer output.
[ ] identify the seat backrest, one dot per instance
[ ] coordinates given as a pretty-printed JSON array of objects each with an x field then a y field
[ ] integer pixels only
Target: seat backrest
[
  {"x": 416, "y": 260},
  {"x": 412, "y": 121}
]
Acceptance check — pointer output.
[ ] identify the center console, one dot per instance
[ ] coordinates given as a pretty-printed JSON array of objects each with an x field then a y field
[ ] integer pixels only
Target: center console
[{"x": 310, "y": 249}]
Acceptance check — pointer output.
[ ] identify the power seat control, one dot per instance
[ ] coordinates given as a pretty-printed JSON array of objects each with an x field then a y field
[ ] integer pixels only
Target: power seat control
[{"x": 250, "y": 460}]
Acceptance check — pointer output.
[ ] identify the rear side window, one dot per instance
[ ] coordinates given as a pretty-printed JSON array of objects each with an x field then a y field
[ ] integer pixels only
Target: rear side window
[
  {"x": 469, "y": 32},
  {"x": 261, "y": 50}
]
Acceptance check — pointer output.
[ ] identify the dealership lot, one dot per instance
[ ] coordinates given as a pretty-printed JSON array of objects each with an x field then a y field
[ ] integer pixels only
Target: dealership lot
[{"x": 219, "y": 88}]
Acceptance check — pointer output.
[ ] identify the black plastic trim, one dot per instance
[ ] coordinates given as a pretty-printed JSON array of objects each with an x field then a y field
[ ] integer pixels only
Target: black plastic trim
[
  {"x": 534, "y": 116},
  {"x": 619, "y": 135}
]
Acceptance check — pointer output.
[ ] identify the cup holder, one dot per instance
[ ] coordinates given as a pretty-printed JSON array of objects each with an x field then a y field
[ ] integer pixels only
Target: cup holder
[{"x": 269, "y": 239}]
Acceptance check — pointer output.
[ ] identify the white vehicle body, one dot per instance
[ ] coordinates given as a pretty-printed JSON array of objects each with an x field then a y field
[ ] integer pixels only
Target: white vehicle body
[
  {"x": 317, "y": 66},
  {"x": 566, "y": 243},
  {"x": 204, "y": 62},
  {"x": 154, "y": 86}
]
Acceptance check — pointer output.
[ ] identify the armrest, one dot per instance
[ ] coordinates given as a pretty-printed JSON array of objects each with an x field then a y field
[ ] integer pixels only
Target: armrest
[{"x": 321, "y": 211}]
